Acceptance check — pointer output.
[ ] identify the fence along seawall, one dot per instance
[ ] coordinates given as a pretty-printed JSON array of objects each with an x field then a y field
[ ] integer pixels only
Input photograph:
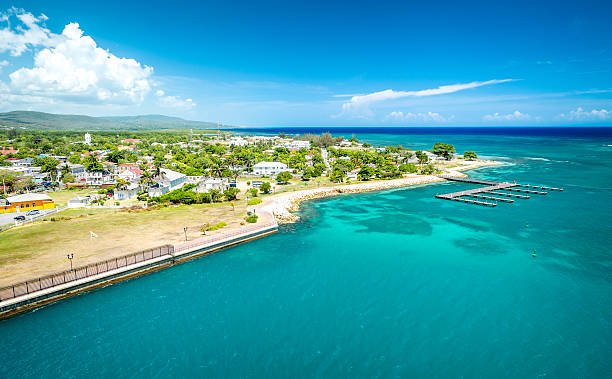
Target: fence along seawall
[{"x": 43, "y": 290}]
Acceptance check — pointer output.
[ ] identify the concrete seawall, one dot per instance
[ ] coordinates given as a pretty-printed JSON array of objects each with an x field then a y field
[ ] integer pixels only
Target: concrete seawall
[{"x": 193, "y": 250}]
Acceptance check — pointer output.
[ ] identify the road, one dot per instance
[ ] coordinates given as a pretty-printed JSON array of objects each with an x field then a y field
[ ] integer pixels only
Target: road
[{"x": 8, "y": 218}]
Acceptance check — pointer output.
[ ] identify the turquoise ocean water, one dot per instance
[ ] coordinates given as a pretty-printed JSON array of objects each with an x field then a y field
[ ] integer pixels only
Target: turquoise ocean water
[{"x": 387, "y": 284}]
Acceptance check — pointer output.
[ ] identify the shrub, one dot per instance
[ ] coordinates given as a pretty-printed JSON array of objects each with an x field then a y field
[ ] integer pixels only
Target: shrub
[
  {"x": 217, "y": 226},
  {"x": 255, "y": 201},
  {"x": 252, "y": 218}
]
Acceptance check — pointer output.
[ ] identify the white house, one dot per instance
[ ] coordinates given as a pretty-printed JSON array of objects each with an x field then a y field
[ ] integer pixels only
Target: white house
[
  {"x": 167, "y": 181},
  {"x": 238, "y": 141},
  {"x": 130, "y": 192},
  {"x": 175, "y": 180},
  {"x": 269, "y": 168},
  {"x": 87, "y": 139},
  {"x": 79, "y": 202},
  {"x": 208, "y": 184}
]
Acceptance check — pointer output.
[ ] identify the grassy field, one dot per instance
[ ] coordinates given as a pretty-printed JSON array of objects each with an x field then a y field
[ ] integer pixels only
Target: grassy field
[
  {"x": 61, "y": 197},
  {"x": 40, "y": 248}
]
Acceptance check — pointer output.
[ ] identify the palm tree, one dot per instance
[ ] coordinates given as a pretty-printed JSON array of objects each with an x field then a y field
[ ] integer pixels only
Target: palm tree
[
  {"x": 215, "y": 194},
  {"x": 121, "y": 184}
]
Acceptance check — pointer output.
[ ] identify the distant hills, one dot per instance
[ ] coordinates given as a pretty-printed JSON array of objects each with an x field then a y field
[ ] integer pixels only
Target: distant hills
[{"x": 51, "y": 121}]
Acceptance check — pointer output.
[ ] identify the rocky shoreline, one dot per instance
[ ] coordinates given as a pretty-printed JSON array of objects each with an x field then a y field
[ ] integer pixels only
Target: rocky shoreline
[{"x": 283, "y": 205}]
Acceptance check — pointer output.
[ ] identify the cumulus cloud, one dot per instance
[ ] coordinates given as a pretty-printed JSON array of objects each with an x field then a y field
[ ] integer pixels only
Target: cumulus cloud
[
  {"x": 176, "y": 102},
  {"x": 359, "y": 105},
  {"x": 514, "y": 116},
  {"x": 581, "y": 115},
  {"x": 428, "y": 117},
  {"x": 71, "y": 68},
  {"x": 30, "y": 33},
  {"x": 77, "y": 68}
]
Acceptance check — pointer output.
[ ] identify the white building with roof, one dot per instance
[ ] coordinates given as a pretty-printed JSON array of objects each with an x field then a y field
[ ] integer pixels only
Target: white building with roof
[
  {"x": 269, "y": 168},
  {"x": 221, "y": 184}
]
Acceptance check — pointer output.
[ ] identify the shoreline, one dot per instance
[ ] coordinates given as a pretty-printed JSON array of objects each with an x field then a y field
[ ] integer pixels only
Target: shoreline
[
  {"x": 283, "y": 206},
  {"x": 277, "y": 209}
]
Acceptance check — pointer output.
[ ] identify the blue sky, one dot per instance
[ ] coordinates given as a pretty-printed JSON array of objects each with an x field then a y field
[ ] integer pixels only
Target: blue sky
[{"x": 313, "y": 63}]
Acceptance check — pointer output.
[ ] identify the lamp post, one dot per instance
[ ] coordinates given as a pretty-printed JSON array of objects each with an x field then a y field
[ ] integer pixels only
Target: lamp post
[
  {"x": 70, "y": 256},
  {"x": 185, "y": 230}
]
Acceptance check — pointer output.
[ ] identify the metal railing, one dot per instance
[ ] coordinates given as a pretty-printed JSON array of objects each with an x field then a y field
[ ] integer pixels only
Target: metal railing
[
  {"x": 82, "y": 272},
  {"x": 222, "y": 236}
]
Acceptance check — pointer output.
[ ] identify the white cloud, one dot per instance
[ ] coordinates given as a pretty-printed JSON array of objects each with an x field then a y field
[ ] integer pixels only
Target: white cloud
[
  {"x": 29, "y": 34},
  {"x": 581, "y": 115},
  {"x": 77, "y": 68},
  {"x": 514, "y": 116},
  {"x": 359, "y": 105},
  {"x": 176, "y": 102},
  {"x": 417, "y": 117},
  {"x": 70, "y": 68}
]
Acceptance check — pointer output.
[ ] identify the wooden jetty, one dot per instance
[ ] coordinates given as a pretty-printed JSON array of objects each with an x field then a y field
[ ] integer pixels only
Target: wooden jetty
[
  {"x": 510, "y": 195},
  {"x": 493, "y": 188}
]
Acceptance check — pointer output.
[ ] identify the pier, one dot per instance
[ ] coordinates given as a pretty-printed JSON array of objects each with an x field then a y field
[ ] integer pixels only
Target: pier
[{"x": 501, "y": 191}]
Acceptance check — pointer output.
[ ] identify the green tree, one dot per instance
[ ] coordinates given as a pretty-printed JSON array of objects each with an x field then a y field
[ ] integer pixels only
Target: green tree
[
  {"x": 231, "y": 193},
  {"x": 46, "y": 164},
  {"x": 421, "y": 156},
  {"x": 265, "y": 187},
  {"x": 365, "y": 173},
  {"x": 444, "y": 150},
  {"x": 284, "y": 177},
  {"x": 253, "y": 192},
  {"x": 470, "y": 155},
  {"x": 428, "y": 169},
  {"x": 92, "y": 164},
  {"x": 408, "y": 167},
  {"x": 215, "y": 195},
  {"x": 74, "y": 159}
]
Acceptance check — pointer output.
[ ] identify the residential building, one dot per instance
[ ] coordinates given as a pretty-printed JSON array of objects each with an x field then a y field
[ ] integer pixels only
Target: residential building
[
  {"x": 208, "y": 184},
  {"x": 174, "y": 179},
  {"x": 127, "y": 193},
  {"x": 269, "y": 168},
  {"x": 79, "y": 202}
]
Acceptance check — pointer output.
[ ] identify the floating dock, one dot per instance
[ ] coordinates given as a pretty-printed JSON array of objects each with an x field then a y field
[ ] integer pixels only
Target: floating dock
[{"x": 504, "y": 189}]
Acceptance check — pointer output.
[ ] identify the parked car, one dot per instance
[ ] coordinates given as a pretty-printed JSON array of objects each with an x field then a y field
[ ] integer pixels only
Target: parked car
[
  {"x": 33, "y": 212},
  {"x": 19, "y": 218}
]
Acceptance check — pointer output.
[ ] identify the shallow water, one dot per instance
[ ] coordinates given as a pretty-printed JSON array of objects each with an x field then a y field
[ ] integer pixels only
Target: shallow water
[{"x": 392, "y": 283}]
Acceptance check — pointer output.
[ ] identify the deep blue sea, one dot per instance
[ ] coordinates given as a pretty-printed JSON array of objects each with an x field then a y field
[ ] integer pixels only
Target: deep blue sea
[{"x": 387, "y": 284}]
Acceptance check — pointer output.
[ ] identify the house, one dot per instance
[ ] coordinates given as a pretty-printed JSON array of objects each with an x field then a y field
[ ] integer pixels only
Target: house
[
  {"x": 353, "y": 174},
  {"x": 167, "y": 181},
  {"x": 127, "y": 193},
  {"x": 132, "y": 175},
  {"x": 75, "y": 169},
  {"x": 26, "y": 202},
  {"x": 238, "y": 141},
  {"x": 79, "y": 202},
  {"x": 25, "y": 162},
  {"x": 8, "y": 151},
  {"x": 126, "y": 167},
  {"x": 174, "y": 179},
  {"x": 269, "y": 168},
  {"x": 95, "y": 178},
  {"x": 221, "y": 184}
]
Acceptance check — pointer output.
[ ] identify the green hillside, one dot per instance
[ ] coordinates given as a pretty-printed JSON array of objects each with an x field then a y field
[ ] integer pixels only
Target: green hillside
[{"x": 50, "y": 121}]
